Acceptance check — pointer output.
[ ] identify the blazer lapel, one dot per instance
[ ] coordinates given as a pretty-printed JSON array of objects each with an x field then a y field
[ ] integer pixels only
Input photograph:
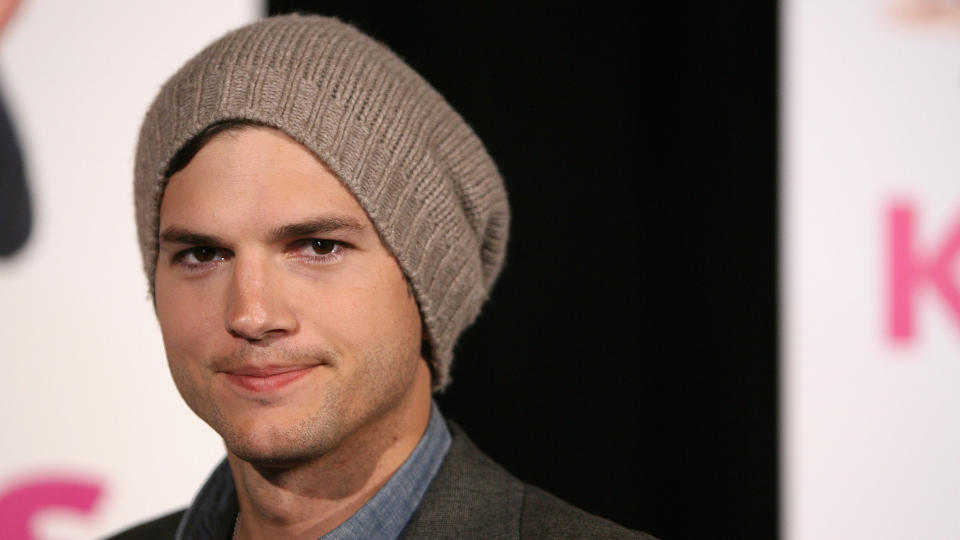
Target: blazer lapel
[{"x": 471, "y": 497}]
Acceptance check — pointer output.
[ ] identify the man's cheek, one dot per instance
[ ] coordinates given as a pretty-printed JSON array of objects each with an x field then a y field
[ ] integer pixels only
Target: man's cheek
[{"x": 189, "y": 331}]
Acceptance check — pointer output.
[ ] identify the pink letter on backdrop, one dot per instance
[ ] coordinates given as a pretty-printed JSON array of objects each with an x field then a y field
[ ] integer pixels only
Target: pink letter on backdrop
[
  {"x": 909, "y": 270},
  {"x": 23, "y": 501}
]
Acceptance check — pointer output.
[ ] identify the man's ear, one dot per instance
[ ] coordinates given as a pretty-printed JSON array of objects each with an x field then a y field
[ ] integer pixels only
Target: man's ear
[{"x": 426, "y": 352}]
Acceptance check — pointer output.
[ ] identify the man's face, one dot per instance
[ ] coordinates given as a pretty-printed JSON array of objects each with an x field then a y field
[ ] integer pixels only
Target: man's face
[{"x": 287, "y": 324}]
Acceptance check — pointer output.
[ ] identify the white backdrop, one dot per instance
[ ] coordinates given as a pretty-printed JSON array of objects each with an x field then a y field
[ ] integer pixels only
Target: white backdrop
[
  {"x": 871, "y": 221},
  {"x": 91, "y": 420}
]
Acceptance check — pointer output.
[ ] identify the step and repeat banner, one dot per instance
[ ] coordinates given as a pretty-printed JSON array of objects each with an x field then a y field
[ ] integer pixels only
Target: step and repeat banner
[
  {"x": 95, "y": 435},
  {"x": 870, "y": 246}
]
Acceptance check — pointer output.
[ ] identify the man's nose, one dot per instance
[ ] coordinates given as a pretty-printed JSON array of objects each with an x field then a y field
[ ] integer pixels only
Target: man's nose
[{"x": 257, "y": 309}]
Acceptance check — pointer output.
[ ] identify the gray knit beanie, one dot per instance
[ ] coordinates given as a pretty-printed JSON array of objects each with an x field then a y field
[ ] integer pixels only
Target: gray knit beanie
[{"x": 422, "y": 175}]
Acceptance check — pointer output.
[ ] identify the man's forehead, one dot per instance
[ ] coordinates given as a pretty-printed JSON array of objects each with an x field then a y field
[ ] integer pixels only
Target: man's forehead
[
  {"x": 259, "y": 177},
  {"x": 229, "y": 140}
]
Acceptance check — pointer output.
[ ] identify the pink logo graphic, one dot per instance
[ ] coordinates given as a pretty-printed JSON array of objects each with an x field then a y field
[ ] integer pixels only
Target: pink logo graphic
[
  {"x": 912, "y": 269},
  {"x": 23, "y": 501}
]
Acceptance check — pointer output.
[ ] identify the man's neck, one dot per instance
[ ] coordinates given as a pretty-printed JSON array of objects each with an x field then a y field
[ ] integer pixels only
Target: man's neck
[{"x": 313, "y": 498}]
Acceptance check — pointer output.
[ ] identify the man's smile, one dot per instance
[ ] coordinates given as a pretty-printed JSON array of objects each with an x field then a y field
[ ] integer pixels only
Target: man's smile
[{"x": 267, "y": 378}]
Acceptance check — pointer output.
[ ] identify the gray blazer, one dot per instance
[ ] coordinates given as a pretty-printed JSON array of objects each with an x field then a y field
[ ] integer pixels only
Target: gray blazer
[{"x": 471, "y": 497}]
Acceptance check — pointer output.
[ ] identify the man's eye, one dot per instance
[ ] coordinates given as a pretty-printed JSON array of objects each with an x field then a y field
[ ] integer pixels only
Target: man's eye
[
  {"x": 204, "y": 253},
  {"x": 319, "y": 250},
  {"x": 200, "y": 255},
  {"x": 322, "y": 247}
]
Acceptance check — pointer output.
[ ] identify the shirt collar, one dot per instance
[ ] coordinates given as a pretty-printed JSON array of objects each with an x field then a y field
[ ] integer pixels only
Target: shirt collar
[
  {"x": 387, "y": 513},
  {"x": 212, "y": 513}
]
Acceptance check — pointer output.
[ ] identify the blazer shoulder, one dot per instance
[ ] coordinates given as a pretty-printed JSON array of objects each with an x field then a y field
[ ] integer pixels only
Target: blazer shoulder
[
  {"x": 546, "y": 516},
  {"x": 474, "y": 497},
  {"x": 161, "y": 528},
  {"x": 470, "y": 497}
]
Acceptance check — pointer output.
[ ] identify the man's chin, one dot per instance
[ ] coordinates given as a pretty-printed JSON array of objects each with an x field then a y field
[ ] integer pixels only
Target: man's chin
[
  {"x": 272, "y": 455},
  {"x": 272, "y": 448}
]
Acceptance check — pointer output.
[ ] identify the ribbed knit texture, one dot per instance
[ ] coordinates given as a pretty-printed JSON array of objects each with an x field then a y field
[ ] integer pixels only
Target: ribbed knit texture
[{"x": 419, "y": 171}]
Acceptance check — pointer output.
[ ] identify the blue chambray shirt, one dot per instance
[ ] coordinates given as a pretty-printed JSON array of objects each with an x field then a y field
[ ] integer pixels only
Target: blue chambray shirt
[{"x": 212, "y": 513}]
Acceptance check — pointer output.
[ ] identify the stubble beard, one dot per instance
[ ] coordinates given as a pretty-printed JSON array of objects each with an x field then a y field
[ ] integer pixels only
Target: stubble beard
[{"x": 345, "y": 404}]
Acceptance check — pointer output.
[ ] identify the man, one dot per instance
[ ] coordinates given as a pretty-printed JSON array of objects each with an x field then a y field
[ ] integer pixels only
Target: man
[{"x": 318, "y": 226}]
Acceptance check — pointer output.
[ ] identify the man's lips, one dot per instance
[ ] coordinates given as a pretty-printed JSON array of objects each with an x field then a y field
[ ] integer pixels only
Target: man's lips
[{"x": 266, "y": 379}]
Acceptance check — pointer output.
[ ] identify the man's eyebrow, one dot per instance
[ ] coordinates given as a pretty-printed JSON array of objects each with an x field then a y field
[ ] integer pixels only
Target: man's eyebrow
[
  {"x": 323, "y": 225},
  {"x": 179, "y": 235}
]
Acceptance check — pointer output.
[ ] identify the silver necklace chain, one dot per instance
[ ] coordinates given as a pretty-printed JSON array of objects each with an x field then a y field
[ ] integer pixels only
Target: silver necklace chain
[{"x": 236, "y": 526}]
